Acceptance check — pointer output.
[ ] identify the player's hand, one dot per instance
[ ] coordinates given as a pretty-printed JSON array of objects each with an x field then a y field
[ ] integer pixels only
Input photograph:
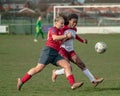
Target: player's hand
[
  {"x": 69, "y": 35},
  {"x": 85, "y": 41}
]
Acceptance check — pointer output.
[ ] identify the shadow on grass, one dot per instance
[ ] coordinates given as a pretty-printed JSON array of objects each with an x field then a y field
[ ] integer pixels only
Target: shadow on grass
[
  {"x": 102, "y": 89},
  {"x": 105, "y": 89}
]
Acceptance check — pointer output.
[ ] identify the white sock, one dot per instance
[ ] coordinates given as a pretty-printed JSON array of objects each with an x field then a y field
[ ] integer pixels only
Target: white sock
[
  {"x": 60, "y": 71},
  {"x": 89, "y": 75}
]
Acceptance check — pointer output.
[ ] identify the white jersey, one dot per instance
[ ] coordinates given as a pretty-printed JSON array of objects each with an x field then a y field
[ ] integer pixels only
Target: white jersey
[{"x": 68, "y": 45}]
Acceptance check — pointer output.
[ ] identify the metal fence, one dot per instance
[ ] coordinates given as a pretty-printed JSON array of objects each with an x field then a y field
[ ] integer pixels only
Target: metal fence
[{"x": 23, "y": 25}]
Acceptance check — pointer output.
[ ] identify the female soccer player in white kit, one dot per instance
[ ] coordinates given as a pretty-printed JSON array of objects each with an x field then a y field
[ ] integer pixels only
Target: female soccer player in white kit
[{"x": 67, "y": 51}]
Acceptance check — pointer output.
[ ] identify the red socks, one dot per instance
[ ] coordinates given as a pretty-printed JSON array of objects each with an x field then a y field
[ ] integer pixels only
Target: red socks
[
  {"x": 25, "y": 78},
  {"x": 71, "y": 79}
]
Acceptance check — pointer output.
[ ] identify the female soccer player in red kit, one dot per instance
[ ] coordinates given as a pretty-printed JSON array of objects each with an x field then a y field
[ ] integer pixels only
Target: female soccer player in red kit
[
  {"x": 50, "y": 55},
  {"x": 67, "y": 50}
]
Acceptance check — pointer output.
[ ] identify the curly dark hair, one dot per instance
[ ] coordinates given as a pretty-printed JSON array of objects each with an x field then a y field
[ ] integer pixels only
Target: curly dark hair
[
  {"x": 71, "y": 16},
  {"x": 65, "y": 19}
]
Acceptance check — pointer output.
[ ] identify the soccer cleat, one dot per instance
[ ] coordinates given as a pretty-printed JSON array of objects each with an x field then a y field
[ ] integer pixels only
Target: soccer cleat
[
  {"x": 76, "y": 85},
  {"x": 54, "y": 76},
  {"x": 97, "y": 81},
  {"x": 35, "y": 40},
  {"x": 19, "y": 84}
]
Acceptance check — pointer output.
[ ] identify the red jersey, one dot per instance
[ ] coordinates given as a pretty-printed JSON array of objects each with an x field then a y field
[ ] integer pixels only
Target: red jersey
[{"x": 52, "y": 43}]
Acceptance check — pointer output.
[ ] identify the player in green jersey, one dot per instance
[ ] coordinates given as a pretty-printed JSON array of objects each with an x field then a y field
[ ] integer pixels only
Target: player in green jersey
[{"x": 38, "y": 29}]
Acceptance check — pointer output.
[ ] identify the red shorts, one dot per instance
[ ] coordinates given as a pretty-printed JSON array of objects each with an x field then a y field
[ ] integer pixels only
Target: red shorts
[{"x": 66, "y": 54}]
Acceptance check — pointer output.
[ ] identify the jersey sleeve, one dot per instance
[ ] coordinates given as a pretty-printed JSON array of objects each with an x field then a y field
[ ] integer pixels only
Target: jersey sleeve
[{"x": 79, "y": 38}]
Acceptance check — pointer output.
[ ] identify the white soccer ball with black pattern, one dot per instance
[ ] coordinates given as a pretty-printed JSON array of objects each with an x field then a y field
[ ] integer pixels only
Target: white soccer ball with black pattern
[{"x": 100, "y": 47}]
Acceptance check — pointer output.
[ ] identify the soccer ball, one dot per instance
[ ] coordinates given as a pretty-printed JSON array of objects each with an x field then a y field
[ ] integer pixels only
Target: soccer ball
[{"x": 100, "y": 47}]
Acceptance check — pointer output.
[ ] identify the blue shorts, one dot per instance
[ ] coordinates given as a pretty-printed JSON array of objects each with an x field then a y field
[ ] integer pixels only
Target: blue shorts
[{"x": 49, "y": 55}]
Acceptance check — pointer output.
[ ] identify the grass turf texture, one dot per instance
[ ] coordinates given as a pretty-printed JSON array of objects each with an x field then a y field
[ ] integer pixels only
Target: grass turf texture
[{"x": 18, "y": 53}]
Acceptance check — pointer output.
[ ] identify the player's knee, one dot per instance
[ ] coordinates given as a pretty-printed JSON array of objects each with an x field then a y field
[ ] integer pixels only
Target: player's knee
[{"x": 83, "y": 65}]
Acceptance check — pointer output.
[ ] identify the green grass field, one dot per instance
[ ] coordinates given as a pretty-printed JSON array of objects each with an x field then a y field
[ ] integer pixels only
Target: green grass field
[{"x": 18, "y": 53}]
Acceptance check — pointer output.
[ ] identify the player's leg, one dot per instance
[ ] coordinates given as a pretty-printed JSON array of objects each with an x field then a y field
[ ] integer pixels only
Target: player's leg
[
  {"x": 42, "y": 62},
  {"x": 70, "y": 77},
  {"x": 57, "y": 72},
  {"x": 76, "y": 60},
  {"x": 42, "y": 34},
  {"x": 29, "y": 74},
  {"x": 36, "y": 34}
]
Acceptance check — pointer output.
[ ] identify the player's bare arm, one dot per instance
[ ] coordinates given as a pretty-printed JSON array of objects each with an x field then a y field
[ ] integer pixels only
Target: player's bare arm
[
  {"x": 81, "y": 39},
  {"x": 61, "y": 37}
]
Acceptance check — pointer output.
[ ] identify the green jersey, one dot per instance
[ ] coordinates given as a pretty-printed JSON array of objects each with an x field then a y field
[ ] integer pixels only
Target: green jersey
[{"x": 38, "y": 24}]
